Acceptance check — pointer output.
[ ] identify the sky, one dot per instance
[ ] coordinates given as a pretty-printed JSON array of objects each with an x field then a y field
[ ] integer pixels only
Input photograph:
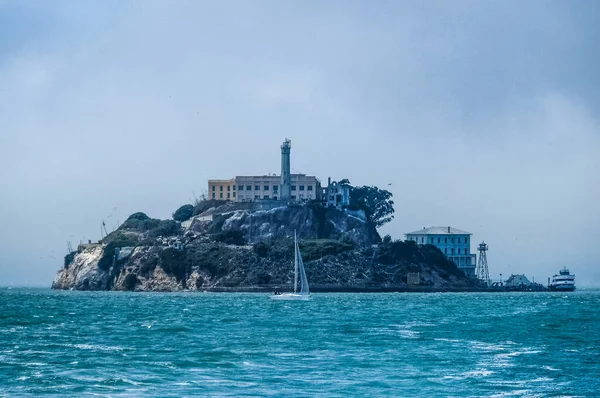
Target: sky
[{"x": 482, "y": 115}]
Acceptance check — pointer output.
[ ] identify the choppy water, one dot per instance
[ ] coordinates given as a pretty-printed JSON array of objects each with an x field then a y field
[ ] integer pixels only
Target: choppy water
[{"x": 135, "y": 344}]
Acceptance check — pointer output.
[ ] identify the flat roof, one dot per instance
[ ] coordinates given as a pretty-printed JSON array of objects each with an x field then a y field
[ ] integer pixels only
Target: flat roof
[{"x": 439, "y": 231}]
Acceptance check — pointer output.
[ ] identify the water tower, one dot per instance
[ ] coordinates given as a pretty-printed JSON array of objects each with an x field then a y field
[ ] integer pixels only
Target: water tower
[{"x": 483, "y": 273}]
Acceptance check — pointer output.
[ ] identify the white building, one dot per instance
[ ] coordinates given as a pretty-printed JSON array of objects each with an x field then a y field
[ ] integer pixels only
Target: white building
[
  {"x": 454, "y": 243},
  {"x": 336, "y": 195},
  {"x": 250, "y": 188}
]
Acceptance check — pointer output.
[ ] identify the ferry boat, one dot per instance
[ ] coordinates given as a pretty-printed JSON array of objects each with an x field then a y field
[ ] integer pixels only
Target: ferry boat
[{"x": 564, "y": 281}]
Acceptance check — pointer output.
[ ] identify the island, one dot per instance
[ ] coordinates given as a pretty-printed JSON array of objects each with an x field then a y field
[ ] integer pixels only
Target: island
[{"x": 226, "y": 246}]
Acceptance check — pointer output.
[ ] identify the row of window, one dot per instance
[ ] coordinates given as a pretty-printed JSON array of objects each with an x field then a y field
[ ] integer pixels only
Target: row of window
[
  {"x": 452, "y": 251},
  {"x": 439, "y": 240},
  {"x": 214, "y": 195},
  {"x": 256, "y": 197},
  {"x": 257, "y": 188}
]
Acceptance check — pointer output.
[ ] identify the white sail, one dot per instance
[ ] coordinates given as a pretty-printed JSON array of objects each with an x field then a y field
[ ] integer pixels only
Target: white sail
[
  {"x": 298, "y": 269},
  {"x": 295, "y": 263},
  {"x": 303, "y": 280}
]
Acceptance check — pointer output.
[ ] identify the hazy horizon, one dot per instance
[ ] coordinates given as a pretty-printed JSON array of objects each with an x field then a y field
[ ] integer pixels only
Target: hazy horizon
[{"x": 483, "y": 116}]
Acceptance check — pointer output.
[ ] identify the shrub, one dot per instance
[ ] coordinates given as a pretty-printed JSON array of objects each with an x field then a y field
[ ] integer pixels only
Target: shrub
[
  {"x": 184, "y": 213},
  {"x": 154, "y": 226},
  {"x": 69, "y": 259},
  {"x": 138, "y": 216},
  {"x": 315, "y": 249},
  {"x": 149, "y": 265},
  {"x": 263, "y": 278},
  {"x": 165, "y": 228},
  {"x": 172, "y": 261},
  {"x": 130, "y": 281},
  {"x": 234, "y": 237},
  {"x": 261, "y": 249}
]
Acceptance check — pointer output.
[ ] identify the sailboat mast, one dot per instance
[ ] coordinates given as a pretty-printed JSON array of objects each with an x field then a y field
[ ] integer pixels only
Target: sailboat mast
[{"x": 295, "y": 263}]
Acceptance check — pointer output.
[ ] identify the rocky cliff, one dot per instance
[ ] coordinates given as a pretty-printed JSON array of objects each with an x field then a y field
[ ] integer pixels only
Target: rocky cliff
[{"x": 249, "y": 246}]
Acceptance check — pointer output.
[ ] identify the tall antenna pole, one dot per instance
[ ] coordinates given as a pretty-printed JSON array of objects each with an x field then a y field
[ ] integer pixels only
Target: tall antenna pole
[{"x": 483, "y": 273}]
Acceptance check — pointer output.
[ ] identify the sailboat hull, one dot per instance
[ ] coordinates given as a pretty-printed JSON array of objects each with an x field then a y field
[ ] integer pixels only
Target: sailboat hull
[{"x": 290, "y": 296}]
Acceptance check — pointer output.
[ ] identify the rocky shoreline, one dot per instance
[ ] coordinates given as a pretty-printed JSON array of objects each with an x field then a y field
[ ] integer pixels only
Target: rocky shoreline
[{"x": 232, "y": 247}]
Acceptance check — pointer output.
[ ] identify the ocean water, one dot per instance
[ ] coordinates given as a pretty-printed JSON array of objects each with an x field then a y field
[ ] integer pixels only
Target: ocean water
[{"x": 209, "y": 344}]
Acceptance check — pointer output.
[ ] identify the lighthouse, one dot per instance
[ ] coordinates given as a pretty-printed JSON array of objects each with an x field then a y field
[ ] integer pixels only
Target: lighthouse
[{"x": 286, "y": 177}]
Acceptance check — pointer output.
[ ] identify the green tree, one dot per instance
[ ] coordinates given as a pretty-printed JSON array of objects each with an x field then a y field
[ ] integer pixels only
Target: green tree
[
  {"x": 376, "y": 203},
  {"x": 138, "y": 216},
  {"x": 184, "y": 213}
]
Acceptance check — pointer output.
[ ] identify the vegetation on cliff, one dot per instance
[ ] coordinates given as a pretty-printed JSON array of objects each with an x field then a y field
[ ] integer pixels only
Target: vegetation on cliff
[
  {"x": 375, "y": 202},
  {"x": 238, "y": 245}
]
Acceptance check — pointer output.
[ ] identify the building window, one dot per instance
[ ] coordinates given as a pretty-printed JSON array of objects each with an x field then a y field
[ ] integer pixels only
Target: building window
[
  {"x": 452, "y": 251},
  {"x": 422, "y": 239},
  {"x": 293, "y": 187},
  {"x": 234, "y": 187},
  {"x": 234, "y": 194},
  {"x": 310, "y": 187},
  {"x": 331, "y": 197},
  {"x": 221, "y": 188},
  {"x": 266, "y": 197},
  {"x": 257, "y": 187},
  {"x": 275, "y": 188},
  {"x": 438, "y": 240},
  {"x": 228, "y": 188},
  {"x": 459, "y": 250},
  {"x": 266, "y": 187},
  {"x": 228, "y": 195},
  {"x": 221, "y": 195},
  {"x": 445, "y": 240},
  {"x": 452, "y": 240},
  {"x": 256, "y": 197},
  {"x": 431, "y": 240},
  {"x": 213, "y": 194},
  {"x": 214, "y": 187},
  {"x": 240, "y": 188},
  {"x": 445, "y": 250},
  {"x": 302, "y": 187},
  {"x": 459, "y": 239},
  {"x": 274, "y": 197},
  {"x": 248, "y": 187},
  {"x": 293, "y": 197}
]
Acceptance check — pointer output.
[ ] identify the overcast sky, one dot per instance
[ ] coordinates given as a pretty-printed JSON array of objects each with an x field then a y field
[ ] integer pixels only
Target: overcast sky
[{"x": 483, "y": 115}]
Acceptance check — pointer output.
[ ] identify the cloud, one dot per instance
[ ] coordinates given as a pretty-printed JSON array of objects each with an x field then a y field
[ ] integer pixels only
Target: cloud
[{"x": 481, "y": 115}]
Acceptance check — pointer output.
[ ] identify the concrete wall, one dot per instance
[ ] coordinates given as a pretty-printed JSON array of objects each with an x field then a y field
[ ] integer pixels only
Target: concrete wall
[
  {"x": 250, "y": 188},
  {"x": 221, "y": 189},
  {"x": 302, "y": 187}
]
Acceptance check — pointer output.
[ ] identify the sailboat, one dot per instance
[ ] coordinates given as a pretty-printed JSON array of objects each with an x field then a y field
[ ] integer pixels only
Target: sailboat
[{"x": 304, "y": 293}]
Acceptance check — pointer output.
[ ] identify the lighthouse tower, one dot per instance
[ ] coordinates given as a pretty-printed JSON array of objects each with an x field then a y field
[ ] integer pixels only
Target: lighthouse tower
[{"x": 286, "y": 178}]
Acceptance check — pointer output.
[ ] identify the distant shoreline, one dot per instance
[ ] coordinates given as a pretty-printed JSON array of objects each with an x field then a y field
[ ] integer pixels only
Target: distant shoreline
[
  {"x": 260, "y": 289},
  {"x": 347, "y": 289}
]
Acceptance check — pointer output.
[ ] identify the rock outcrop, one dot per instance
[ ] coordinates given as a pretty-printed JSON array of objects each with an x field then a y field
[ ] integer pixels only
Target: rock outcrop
[{"x": 249, "y": 246}]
